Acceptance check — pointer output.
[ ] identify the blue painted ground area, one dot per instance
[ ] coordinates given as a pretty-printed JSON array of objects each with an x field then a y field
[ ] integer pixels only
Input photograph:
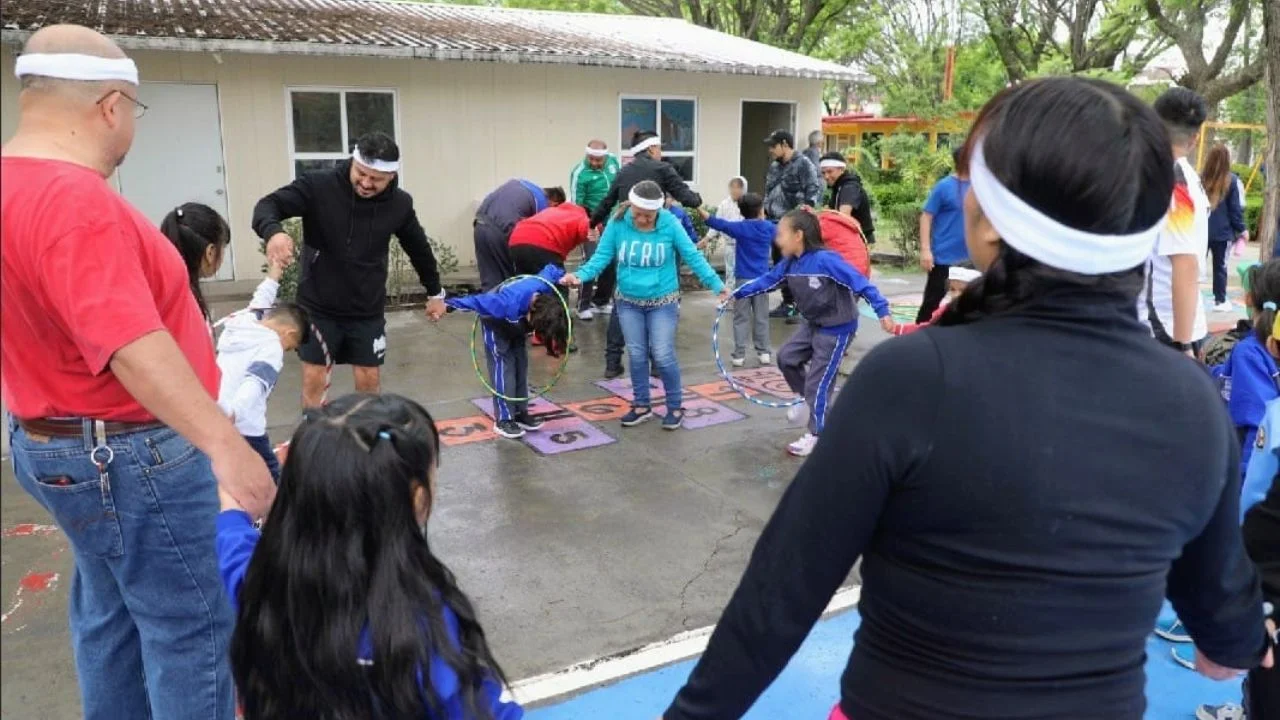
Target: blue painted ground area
[{"x": 809, "y": 686}]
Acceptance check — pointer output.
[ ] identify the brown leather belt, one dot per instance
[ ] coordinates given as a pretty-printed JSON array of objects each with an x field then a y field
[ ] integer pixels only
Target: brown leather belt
[{"x": 75, "y": 428}]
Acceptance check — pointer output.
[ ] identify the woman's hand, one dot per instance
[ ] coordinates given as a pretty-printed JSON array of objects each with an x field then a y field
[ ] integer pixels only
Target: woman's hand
[
  {"x": 703, "y": 212},
  {"x": 725, "y": 295},
  {"x": 570, "y": 280},
  {"x": 887, "y": 324}
]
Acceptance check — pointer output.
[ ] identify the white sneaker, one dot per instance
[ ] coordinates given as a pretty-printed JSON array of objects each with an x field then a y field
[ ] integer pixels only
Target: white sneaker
[
  {"x": 765, "y": 358},
  {"x": 796, "y": 412},
  {"x": 803, "y": 446},
  {"x": 586, "y": 315},
  {"x": 738, "y": 362},
  {"x": 605, "y": 309},
  {"x": 1224, "y": 307}
]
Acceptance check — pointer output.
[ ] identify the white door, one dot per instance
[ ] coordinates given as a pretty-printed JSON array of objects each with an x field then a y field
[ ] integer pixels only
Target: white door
[{"x": 177, "y": 154}]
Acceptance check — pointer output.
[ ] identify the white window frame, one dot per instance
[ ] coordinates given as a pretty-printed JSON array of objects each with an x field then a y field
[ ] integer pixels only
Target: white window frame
[
  {"x": 625, "y": 143},
  {"x": 341, "y": 90}
]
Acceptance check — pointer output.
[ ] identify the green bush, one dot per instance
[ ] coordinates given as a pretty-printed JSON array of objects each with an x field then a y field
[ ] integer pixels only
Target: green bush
[
  {"x": 401, "y": 279},
  {"x": 1253, "y": 215},
  {"x": 906, "y": 218}
]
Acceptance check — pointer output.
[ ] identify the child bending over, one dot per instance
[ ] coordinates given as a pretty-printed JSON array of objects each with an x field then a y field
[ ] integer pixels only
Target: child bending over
[
  {"x": 825, "y": 288},
  {"x": 753, "y": 243},
  {"x": 507, "y": 315},
  {"x": 251, "y": 354},
  {"x": 342, "y": 609},
  {"x": 958, "y": 278}
]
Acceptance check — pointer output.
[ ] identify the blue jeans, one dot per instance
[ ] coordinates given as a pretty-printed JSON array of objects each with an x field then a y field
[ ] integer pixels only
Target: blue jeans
[
  {"x": 150, "y": 622},
  {"x": 651, "y": 331}
]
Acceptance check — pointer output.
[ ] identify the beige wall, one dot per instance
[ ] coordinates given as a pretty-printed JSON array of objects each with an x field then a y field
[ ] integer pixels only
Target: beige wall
[{"x": 464, "y": 127}]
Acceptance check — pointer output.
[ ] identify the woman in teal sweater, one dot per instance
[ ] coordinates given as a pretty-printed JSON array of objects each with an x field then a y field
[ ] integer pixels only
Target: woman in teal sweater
[{"x": 648, "y": 242}]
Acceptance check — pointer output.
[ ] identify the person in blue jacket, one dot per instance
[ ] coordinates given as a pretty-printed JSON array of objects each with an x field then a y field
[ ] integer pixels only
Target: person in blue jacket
[
  {"x": 1250, "y": 377},
  {"x": 507, "y": 313},
  {"x": 1226, "y": 219},
  {"x": 753, "y": 243},
  {"x": 826, "y": 291},
  {"x": 343, "y": 611}
]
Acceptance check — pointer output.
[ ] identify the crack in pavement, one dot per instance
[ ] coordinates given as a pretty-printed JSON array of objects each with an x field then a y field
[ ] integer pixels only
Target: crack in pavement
[{"x": 739, "y": 526}]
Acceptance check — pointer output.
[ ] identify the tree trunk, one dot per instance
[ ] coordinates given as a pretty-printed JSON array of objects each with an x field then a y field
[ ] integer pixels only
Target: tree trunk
[{"x": 1270, "y": 216}]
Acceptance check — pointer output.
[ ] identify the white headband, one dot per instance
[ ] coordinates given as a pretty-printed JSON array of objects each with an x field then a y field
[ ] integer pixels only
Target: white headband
[
  {"x": 645, "y": 203},
  {"x": 379, "y": 165},
  {"x": 72, "y": 66},
  {"x": 963, "y": 274},
  {"x": 597, "y": 152},
  {"x": 645, "y": 145},
  {"x": 1049, "y": 241},
  {"x": 824, "y": 164}
]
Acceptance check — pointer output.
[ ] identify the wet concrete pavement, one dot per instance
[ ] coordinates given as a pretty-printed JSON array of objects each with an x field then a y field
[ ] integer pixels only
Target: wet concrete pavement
[{"x": 568, "y": 557}]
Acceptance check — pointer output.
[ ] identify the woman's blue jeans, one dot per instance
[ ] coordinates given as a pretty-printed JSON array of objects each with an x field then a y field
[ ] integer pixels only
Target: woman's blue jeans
[{"x": 651, "y": 331}]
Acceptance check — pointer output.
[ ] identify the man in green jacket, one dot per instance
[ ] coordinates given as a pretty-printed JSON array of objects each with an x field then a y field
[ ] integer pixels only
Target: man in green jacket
[{"x": 588, "y": 184}]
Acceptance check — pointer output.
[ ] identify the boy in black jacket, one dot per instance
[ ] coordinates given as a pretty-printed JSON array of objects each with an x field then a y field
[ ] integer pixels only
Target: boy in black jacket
[{"x": 349, "y": 214}]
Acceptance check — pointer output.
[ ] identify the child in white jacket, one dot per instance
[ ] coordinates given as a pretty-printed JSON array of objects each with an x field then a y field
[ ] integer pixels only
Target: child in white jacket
[
  {"x": 251, "y": 354},
  {"x": 728, "y": 210}
]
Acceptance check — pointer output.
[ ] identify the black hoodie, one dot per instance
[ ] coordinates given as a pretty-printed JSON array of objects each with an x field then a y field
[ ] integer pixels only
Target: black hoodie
[
  {"x": 348, "y": 238},
  {"x": 639, "y": 169}
]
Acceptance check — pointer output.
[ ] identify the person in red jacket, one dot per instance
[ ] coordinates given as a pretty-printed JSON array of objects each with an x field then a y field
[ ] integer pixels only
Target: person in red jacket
[
  {"x": 958, "y": 278},
  {"x": 548, "y": 237}
]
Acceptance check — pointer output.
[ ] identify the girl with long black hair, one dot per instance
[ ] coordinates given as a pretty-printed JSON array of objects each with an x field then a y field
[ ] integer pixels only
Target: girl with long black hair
[
  {"x": 344, "y": 613},
  {"x": 201, "y": 236},
  {"x": 1040, "y": 473}
]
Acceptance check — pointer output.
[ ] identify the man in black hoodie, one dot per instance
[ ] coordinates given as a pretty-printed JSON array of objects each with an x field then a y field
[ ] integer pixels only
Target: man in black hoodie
[
  {"x": 847, "y": 195},
  {"x": 646, "y": 164},
  {"x": 349, "y": 214}
]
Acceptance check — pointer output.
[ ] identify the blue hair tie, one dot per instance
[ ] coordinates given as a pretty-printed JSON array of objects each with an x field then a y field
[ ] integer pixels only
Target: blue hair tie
[
  {"x": 1268, "y": 305},
  {"x": 384, "y": 434}
]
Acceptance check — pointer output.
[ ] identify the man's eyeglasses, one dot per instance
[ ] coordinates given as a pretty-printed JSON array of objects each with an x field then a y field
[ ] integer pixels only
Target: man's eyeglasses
[{"x": 138, "y": 108}]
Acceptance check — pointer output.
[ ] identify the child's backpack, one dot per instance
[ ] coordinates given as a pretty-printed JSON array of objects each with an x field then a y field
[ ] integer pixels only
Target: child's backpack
[
  {"x": 843, "y": 234},
  {"x": 1218, "y": 349}
]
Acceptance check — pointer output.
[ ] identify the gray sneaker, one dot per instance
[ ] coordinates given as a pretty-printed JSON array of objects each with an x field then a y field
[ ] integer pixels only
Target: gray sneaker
[{"x": 1230, "y": 711}]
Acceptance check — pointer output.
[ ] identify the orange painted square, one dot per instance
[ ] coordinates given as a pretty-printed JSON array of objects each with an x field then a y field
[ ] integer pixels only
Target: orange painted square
[
  {"x": 600, "y": 409},
  {"x": 463, "y": 430},
  {"x": 719, "y": 391}
]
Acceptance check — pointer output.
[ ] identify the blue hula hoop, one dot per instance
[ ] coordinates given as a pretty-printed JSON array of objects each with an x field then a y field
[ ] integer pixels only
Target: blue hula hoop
[{"x": 724, "y": 374}]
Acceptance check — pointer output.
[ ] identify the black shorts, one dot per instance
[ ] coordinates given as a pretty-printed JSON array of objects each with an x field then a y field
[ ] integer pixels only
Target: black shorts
[{"x": 361, "y": 342}]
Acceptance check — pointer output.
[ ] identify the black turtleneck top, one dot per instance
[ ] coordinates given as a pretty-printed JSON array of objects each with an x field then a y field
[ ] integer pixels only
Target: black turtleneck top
[{"x": 1023, "y": 492}]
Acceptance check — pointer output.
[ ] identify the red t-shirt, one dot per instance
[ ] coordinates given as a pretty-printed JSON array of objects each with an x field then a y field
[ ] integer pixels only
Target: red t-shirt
[
  {"x": 559, "y": 229},
  {"x": 82, "y": 274}
]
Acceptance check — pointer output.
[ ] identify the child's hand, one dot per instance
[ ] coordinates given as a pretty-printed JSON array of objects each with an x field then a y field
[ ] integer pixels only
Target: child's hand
[
  {"x": 435, "y": 309},
  {"x": 726, "y": 295},
  {"x": 887, "y": 324},
  {"x": 228, "y": 502},
  {"x": 703, "y": 212},
  {"x": 275, "y": 268},
  {"x": 570, "y": 280}
]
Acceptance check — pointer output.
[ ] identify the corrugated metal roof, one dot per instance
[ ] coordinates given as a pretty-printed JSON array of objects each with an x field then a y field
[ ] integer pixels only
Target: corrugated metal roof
[{"x": 411, "y": 29}]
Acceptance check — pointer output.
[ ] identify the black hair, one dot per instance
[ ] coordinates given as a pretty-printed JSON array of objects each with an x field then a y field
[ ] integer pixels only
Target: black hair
[
  {"x": 1084, "y": 152},
  {"x": 833, "y": 155},
  {"x": 555, "y": 194},
  {"x": 1264, "y": 287},
  {"x": 547, "y": 318},
  {"x": 640, "y": 136},
  {"x": 649, "y": 190},
  {"x": 807, "y": 223},
  {"x": 342, "y": 554},
  {"x": 378, "y": 146},
  {"x": 192, "y": 228},
  {"x": 1183, "y": 111},
  {"x": 295, "y": 316},
  {"x": 957, "y": 155},
  {"x": 750, "y": 205}
]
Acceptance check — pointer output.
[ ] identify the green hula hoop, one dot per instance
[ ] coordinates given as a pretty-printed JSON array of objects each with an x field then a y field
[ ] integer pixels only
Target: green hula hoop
[{"x": 564, "y": 363}]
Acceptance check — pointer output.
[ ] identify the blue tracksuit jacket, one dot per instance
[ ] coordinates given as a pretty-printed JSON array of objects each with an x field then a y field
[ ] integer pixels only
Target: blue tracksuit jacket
[
  {"x": 509, "y": 302},
  {"x": 754, "y": 242},
  {"x": 825, "y": 287}
]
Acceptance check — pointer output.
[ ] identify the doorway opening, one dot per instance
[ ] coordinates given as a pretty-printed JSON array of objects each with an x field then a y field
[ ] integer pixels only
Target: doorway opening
[{"x": 758, "y": 120}]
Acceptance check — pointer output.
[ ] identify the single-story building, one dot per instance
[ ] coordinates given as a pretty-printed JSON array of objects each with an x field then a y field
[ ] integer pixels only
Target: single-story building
[{"x": 243, "y": 94}]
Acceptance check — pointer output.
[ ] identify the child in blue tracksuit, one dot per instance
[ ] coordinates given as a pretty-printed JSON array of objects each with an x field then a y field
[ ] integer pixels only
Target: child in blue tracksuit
[
  {"x": 507, "y": 314},
  {"x": 825, "y": 288},
  {"x": 343, "y": 561},
  {"x": 753, "y": 243},
  {"x": 1250, "y": 378}
]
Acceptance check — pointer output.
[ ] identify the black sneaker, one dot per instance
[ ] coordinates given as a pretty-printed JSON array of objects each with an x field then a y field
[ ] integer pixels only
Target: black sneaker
[
  {"x": 529, "y": 422},
  {"x": 614, "y": 372},
  {"x": 509, "y": 429}
]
